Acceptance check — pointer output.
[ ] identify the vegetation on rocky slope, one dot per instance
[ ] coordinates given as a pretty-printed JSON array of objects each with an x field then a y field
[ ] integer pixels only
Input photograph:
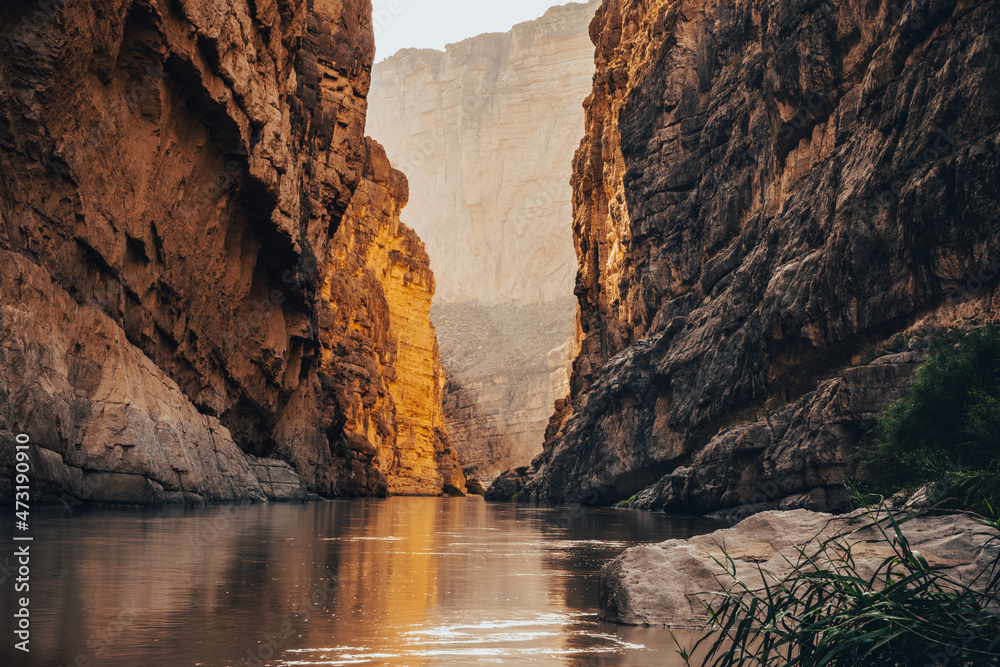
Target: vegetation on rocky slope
[
  {"x": 946, "y": 430},
  {"x": 943, "y": 433}
]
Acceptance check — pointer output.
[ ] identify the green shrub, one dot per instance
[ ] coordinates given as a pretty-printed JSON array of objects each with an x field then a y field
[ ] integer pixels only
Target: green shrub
[
  {"x": 950, "y": 418},
  {"x": 976, "y": 490}
]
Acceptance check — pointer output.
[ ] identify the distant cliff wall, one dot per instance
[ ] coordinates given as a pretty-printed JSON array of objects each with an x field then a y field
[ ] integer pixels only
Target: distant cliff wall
[
  {"x": 766, "y": 190},
  {"x": 507, "y": 365},
  {"x": 173, "y": 176},
  {"x": 486, "y": 131}
]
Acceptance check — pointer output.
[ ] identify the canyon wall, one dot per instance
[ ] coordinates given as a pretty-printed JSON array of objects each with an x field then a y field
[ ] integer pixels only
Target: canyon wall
[
  {"x": 486, "y": 131},
  {"x": 379, "y": 347},
  {"x": 765, "y": 191},
  {"x": 175, "y": 179}
]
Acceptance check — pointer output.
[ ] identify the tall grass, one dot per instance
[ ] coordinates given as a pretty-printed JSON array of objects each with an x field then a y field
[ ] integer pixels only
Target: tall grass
[{"x": 827, "y": 612}]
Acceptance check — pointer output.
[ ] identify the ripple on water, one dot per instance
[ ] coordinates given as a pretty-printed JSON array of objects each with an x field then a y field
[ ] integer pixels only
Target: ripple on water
[{"x": 523, "y": 639}]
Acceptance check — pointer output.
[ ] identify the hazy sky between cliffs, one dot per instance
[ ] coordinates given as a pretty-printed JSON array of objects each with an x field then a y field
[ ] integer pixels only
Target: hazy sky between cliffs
[{"x": 431, "y": 24}]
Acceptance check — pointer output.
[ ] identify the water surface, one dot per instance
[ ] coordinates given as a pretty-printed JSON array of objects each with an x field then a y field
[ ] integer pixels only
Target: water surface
[{"x": 405, "y": 582}]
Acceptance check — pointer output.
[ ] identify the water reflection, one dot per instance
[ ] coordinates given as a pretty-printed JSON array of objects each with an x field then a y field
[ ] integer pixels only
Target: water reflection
[{"x": 404, "y": 581}]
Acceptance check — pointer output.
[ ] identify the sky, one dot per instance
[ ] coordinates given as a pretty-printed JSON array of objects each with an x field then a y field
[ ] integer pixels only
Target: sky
[{"x": 431, "y": 24}]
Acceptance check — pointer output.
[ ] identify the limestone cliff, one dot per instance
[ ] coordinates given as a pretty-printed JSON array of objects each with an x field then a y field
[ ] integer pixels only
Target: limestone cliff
[
  {"x": 174, "y": 175},
  {"x": 765, "y": 190},
  {"x": 486, "y": 132}
]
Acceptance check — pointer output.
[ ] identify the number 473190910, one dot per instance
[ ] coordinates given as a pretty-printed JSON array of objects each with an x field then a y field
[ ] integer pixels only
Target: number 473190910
[{"x": 22, "y": 493}]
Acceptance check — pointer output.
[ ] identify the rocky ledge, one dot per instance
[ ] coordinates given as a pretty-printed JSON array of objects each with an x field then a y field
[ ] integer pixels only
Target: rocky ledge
[{"x": 669, "y": 583}]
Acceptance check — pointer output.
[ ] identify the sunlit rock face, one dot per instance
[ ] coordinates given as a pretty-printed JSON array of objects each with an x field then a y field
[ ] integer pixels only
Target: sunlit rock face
[
  {"x": 764, "y": 191},
  {"x": 486, "y": 132},
  {"x": 379, "y": 348},
  {"x": 174, "y": 174}
]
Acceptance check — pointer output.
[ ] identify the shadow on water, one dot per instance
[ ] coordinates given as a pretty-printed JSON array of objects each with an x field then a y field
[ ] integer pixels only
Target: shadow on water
[{"x": 404, "y": 581}]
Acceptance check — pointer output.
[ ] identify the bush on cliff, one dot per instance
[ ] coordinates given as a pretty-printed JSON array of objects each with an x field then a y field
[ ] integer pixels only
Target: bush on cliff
[{"x": 947, "y": 427}]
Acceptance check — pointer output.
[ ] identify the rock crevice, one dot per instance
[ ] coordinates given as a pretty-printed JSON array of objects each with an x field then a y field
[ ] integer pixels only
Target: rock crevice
[{"x": 486, "y": 132}]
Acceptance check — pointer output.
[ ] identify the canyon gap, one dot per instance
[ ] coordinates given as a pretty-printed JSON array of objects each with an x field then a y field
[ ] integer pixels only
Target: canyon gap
[{"x": 485, "y": 132}]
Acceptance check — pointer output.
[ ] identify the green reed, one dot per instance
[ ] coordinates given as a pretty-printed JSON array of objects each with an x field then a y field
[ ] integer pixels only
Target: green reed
[{"x": 826, "y": 612}]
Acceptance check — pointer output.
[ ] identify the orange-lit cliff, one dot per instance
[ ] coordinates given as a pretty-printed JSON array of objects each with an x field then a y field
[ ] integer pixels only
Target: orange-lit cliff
[{"x": 176, "y": 181}]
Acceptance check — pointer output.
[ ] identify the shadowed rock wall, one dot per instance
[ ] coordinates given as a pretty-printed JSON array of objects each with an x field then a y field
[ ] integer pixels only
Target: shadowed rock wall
[{"x": 765, "y": 190}]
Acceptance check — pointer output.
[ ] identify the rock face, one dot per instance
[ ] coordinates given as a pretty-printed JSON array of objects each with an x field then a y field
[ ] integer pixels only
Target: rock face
[
  {"x": 379, "y": 349},
  {"x": 175, "y": 177},
  {"x": 666, "y": 583},
  {"x": 486, "y": 132},
  {"x": 799, "y": 456},
  {"x": 764, "y": 191}
]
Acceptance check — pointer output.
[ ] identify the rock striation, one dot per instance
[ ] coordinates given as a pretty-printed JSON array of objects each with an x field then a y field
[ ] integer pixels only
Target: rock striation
[
  {"x": 486, "y": 131},
  {"x": 176, "y": 177},
  {"x": 763, "y": 192}
]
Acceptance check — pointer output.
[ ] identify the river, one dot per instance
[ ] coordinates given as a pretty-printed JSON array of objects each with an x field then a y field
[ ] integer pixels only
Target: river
[{"x": 415, "y": 582}]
